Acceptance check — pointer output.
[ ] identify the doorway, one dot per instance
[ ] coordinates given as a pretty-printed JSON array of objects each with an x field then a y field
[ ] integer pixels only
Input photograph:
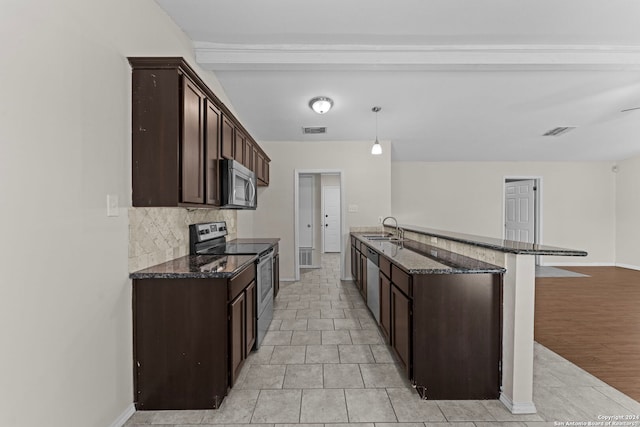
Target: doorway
[
  {"x": 522, "y": 219},
  {"x": 319, "y": 217}
]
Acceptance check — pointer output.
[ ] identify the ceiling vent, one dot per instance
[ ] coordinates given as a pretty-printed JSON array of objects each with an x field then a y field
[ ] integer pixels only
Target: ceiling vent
[
  {"x": 559, "y": 131},
  {"x": 313, "y": 130}
]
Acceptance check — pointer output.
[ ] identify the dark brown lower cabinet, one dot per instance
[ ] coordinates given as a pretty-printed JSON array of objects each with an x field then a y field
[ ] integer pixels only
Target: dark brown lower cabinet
[
  {"x": 401, "y": 327},
  {"x": 180, "y": 343},
  {"x": 385, "y": 307},
  {"x": 190, "y": 339},
  {"x": 237, "y": 322},
  {"x": 445, "y": 329},
  {"x": 363, "y": 276},
  {"x": 242, "y": 321},
  {"x": 250, "y": 318},
  {"x": 457, "y": 335}
]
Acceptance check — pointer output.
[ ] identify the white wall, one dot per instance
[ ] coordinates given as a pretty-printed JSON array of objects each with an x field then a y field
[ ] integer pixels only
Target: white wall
[
  {"x": 65, "y": 130},
  {"x": 578, "y": 201},
  {"x": 367, "y": 184},
  {"x": 628, "y": 213}
]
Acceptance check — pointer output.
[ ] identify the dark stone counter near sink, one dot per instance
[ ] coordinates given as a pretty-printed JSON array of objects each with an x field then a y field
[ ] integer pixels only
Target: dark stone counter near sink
[{"x": 419, "y": 258}]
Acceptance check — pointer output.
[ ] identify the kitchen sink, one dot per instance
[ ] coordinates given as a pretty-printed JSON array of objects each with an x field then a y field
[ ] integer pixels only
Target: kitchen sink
[{"x": 383, "y": 237}]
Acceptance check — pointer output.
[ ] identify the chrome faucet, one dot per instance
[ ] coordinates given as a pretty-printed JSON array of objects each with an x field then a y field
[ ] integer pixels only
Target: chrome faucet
[{"x": 396, "y": 221}]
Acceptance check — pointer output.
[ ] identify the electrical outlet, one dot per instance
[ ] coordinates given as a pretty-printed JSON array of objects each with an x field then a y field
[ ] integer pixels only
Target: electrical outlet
[
  {"x": 112, "y": 205},
  {"x": 353, "y": 208}
]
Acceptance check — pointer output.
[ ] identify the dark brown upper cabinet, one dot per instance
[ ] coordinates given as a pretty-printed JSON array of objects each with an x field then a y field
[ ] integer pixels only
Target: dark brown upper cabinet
[
  {"x": 180, "y": 131},
  {"x": 262, "y": 169},
  {"x": 248, "y": 154},
  {"x": 240, "y": 143},
  {"x": 213, "y": 119},
  {"x": 192, "y": 143},
  {"x": 228, "y": 138}
]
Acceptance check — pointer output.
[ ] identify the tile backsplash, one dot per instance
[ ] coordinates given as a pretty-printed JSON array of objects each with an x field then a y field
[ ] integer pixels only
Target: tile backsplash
[{"x": 157, "y": 235}]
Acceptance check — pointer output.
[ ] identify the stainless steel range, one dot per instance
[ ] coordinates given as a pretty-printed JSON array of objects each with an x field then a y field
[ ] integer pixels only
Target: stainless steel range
[{"x": 210, "y": 239}]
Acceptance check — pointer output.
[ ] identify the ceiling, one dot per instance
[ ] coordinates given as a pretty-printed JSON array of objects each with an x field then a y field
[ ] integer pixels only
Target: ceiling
[{"x": 457, "y": 80}]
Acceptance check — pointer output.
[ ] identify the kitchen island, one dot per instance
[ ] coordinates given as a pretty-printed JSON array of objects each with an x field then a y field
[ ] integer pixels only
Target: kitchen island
[
  {"x": 439, "y": 311},
  {"x": 516, "y": 298}
]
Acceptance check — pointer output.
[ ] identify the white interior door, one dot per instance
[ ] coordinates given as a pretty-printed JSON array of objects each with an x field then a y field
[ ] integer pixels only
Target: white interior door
[
  {"x": 331, "y": 217},
  {"x": 519, "y": 205},
  {"x": 305, "y": 211}
]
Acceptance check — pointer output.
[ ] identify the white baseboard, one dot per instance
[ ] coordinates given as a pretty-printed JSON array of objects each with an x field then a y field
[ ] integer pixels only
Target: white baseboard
[
  {"x": 578, "y": 264},
  {"x": 629, "y": 266},
  {"x": 518, "y": 408},
  {"x": 119, "y": 422},
  {"x": 287, "y": 279}
]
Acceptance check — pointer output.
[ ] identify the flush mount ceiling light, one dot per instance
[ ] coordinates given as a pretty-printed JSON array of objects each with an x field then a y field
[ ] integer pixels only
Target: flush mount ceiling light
[
  {"x": 377, "y": 148},
  {"x": 321, "y": 104}
]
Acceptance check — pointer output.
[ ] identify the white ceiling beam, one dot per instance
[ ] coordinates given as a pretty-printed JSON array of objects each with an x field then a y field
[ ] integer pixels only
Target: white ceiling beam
[{"x": 215, "y": 56}]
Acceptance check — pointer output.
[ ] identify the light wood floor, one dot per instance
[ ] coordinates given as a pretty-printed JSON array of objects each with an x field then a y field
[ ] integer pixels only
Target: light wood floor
[{"x": 594, "y": 322}]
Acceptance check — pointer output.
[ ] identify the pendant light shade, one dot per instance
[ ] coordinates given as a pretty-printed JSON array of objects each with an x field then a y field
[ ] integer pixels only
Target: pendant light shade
[{"x": 376, "y": 149}]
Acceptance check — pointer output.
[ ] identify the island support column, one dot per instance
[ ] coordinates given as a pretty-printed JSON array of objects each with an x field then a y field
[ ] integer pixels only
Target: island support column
[{"x": 517, "y": 334}]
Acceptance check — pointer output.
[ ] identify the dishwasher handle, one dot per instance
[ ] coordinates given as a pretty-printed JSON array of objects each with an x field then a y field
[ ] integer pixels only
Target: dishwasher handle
[{"x": 373, "y": 256}]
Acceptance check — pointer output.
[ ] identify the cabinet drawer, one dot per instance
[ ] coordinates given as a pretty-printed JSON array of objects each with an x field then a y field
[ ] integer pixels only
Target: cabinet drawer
[
  {"x": 241, "y": 281},
  {"x": 401, "y": 279},
  {"x": 385, "y": 267}
]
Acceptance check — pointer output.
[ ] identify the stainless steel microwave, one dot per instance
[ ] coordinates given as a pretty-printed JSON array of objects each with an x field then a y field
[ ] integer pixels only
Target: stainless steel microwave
[{"x": 238, "y": 186}]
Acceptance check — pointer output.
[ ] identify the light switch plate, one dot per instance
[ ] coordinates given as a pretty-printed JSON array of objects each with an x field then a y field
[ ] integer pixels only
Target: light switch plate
[
  {"x": 112, "y": 205},
  {"x": 353, "y": 208}
]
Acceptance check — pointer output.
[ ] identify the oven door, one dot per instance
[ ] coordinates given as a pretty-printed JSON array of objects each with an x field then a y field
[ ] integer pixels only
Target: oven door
[{"x": 265, "y": 295}]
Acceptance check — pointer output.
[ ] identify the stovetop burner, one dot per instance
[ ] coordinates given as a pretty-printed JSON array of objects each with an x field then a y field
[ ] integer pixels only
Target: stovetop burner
[{"x": 209, "y": 239}]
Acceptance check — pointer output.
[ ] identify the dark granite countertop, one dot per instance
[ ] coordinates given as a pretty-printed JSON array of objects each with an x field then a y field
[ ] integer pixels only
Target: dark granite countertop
[
  {"x": 203, "y": 266},
  {"x": 418, "y": 258},
  {"x": 197, "y": 267},
  {"x": 500, "y": 245}
]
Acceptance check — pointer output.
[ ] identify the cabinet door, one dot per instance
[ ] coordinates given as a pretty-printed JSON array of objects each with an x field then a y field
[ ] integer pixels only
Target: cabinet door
[
  {"x": 237, "y": 311},
  {"x": 260, "y": 167},
  {"x": 213, "y": 120},
  {"x": 401, "y": 326},
  {"x": 250, "y": 316},
  {"x": 248, "y": 154},
  {"x": 228, "y": 139},
  {"x": 363, "y": 276},
  {"x": 385, "y": 306},
  {"x": 354, "y": 264},
  {"x": 357, "y": 278},
  {"x": 276, "y": 275},
  {"x": 265, "y": 177},
  {"x": 255, "y": 160},
  {"x": 239, "y": 146},
  {"x": 192, "y": 144}
]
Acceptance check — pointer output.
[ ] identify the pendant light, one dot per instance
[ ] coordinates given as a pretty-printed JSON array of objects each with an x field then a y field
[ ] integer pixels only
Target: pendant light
[{"x": 377, "y": 148}]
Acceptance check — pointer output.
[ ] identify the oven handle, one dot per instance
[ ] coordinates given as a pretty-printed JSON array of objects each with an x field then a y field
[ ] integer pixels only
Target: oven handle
[{"x": 264, "y": 255}]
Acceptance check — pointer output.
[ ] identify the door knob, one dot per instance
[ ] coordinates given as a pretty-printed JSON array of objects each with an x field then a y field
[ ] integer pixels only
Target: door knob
[
  {"x": 326, "y": 225},
  {"x": 308, "y": 225}
]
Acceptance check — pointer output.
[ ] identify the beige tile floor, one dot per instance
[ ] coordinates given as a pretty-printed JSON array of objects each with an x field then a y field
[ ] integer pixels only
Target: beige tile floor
[{"x": 324, "y": 364}]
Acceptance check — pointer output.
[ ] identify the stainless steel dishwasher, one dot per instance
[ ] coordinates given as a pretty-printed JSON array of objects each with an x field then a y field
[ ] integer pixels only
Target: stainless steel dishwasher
[{"x": 373, "y": 283}]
